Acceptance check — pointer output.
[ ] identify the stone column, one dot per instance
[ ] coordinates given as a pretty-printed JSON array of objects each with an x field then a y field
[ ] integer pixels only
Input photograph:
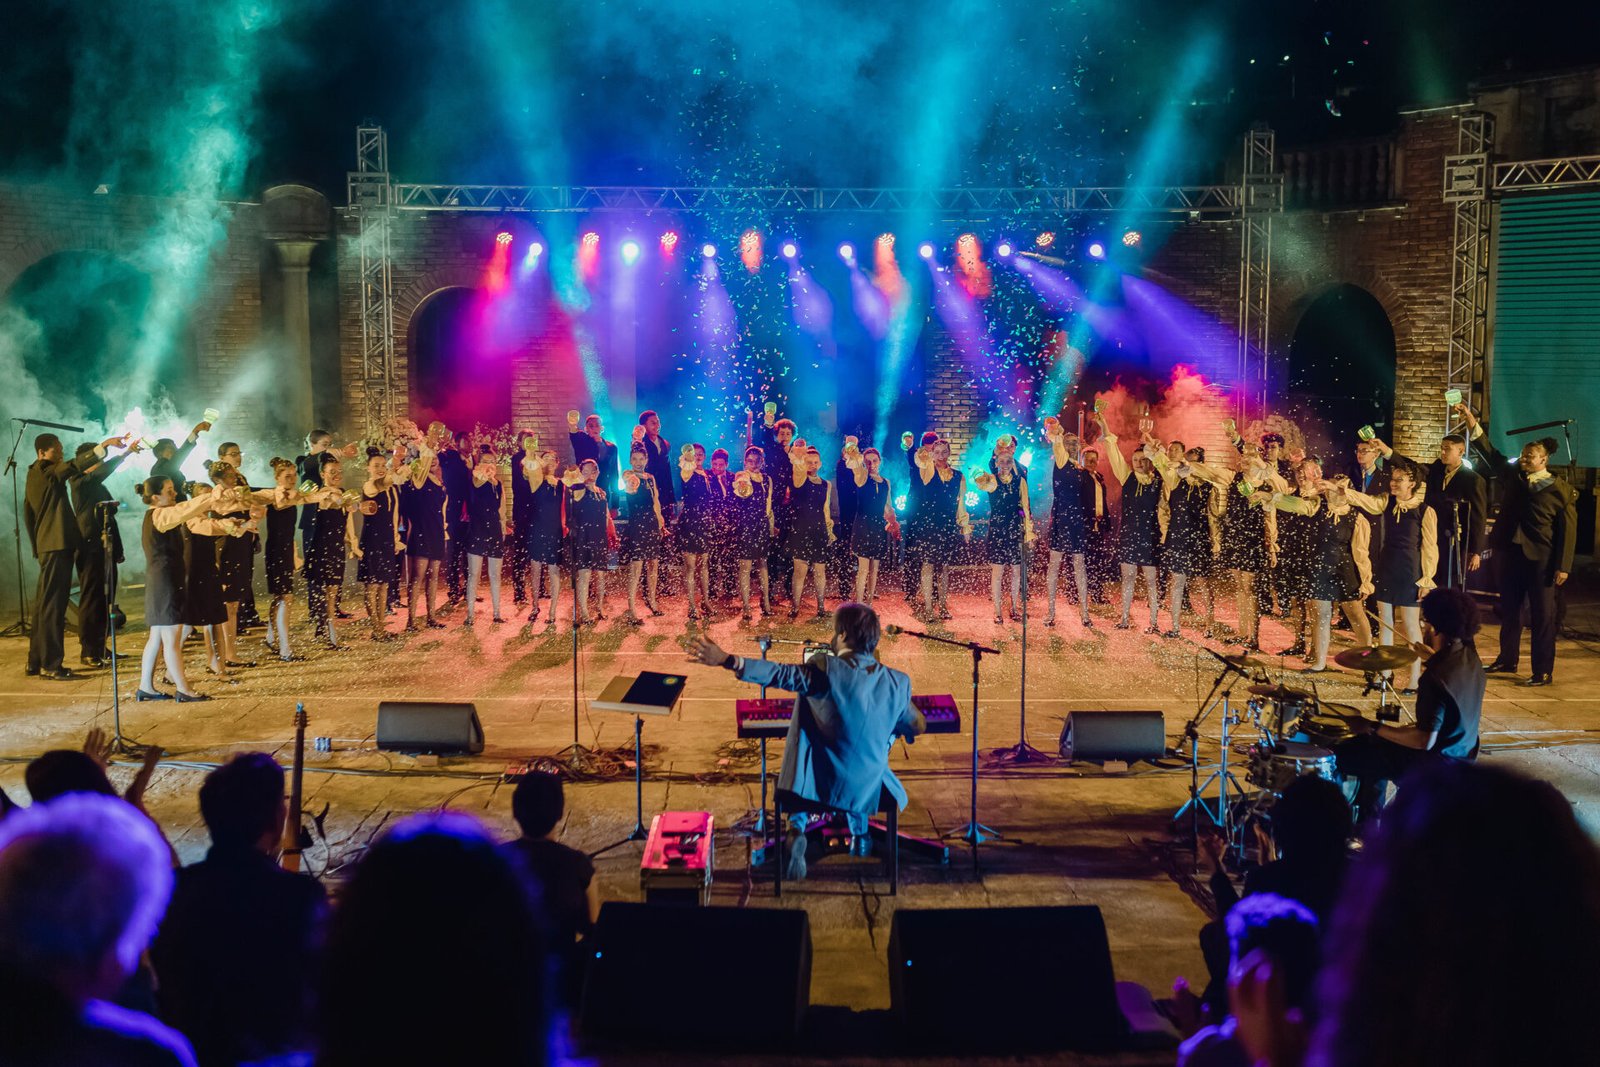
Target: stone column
[{"x": 294, "y": 378}]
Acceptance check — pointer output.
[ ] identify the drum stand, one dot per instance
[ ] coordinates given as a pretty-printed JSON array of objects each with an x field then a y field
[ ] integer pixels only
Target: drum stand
[
  {"x": 1220, "y": 816},
  {"x": 1383, "y": 682}
]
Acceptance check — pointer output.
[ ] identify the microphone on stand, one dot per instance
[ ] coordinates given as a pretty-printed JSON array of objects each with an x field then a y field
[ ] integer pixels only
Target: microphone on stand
[
  {"x": 1519, "y": 429},
  {"x": 64, "y": 426}
]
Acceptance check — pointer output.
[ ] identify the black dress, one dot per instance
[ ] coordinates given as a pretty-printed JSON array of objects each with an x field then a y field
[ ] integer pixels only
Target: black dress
[
  {"x": 1299, "y": 545},
  {"x": 164, "y": 573},
  {"x": 1004, "y": 541},
  {"x": 695, "y": 524},
  {"x": 541, "y": 535},
  {"x": 1398, "y": 563},
  {"x": 422, "y": 507},
  {"x": 1070, "y": 484},
  {"x": 1141, "y": 524},
  {"x": 483, "y": 521},
  {"x": 940, "y": 539},
  {"x": 1187, "y": 550},
  {"x": 280, "y": 550},
  {"x": 235, "y": 567},
  {"x": 202, "y": 587},
  {"x": 808, "y": 529},
  {"x": 325, "y": 554},
  {"x": 586, "y": 530},
  {"x": 641, "y": 536},
  {"x": 751, "y": 534},
  {"x": 1244, "y": 532},
  {"x": 869, "y": 536},
  {"x": 1334, "y": 575},
  {"x": 380, "y": 561}
]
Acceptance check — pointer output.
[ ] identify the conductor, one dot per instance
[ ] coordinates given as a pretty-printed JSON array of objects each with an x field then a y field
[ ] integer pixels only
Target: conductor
[{"x": 849, "y": 710}]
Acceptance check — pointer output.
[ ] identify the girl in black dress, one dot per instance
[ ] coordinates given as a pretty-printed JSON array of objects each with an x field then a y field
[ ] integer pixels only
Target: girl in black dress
[
  {"x": 541, "y": 533},
  {"x": 642, "y": 533},
  {"x": 1071, "y": 506},
  {"x": 422, "y": 504},
  {"x": 875, "y": 520},
  {"x": 485, "y": 530},
  {"x": 380, "y": 546},
  {"x": 1010, "y": 524},
  {"x": 164, "y": 597},
  {"x": 1405, "y": 556},
  {"x": 1192, "y": 502},
  {"x": 204, "y": 606},
  {"x": 588, "y": 548},
  {"x": 281, "y": 556},
  {"x": 941, "y": 519},
  {"x": 1250, "y": 541},
  {"x": 1140, "y": 529},
  {"x": 694, "y": 531},
  {"x": 754, "y": 527},
  {"x": 811, "y": 527},
  {"x": 718, "y": 567},
  {"x": 236, "y": 557},
  {"x": 331, "y": 534}
]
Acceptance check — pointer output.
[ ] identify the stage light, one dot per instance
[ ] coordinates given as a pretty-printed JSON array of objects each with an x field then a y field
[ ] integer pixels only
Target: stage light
[
  {"x": 591, "y": 239},
  {"x": 535, "y": 250},
  {"x": 630, "y": 251},
  {"x": 503, "y": 237},
  {"x": 1045, "y": 239},
  {"x": 669, "y": 243},
  {"x": 789, "y": 250},
  {"x": 1097, "y": 250},
  {"x": 847, "y": 252},
  {"x": 972, "y": 500},
  {"x": 750, "y": 249},
  {"x": 925, "y": 250},
  {"x": 1132, "y": 238},
  {"x": 1003, "y": 249},
  {"x": 708, "y": 250},
  {"x": 900, "y": 502},
  {"x": 1026, "y": 457}
]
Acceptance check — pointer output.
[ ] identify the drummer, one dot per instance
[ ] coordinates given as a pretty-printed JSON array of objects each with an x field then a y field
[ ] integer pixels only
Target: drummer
[{"x": 1449, "y": 705}]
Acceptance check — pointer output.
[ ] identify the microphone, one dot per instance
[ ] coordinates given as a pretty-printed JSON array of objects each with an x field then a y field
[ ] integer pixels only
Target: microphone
[
  {"x": 894, "y": 630},
  {"x": 52, "y": 425},
  {"x": 1519, "y": 429}
]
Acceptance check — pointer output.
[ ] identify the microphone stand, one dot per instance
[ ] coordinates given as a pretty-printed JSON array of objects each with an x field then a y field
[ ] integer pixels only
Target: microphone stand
[
  {"x": 20, "y": 628},
  {"x": 120, "y": 744},
  {"x": 974, "y": 832},
  {"x": 1021, "y": 752}
]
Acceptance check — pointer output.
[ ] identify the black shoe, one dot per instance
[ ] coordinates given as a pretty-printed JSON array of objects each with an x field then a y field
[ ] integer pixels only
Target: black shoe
[
  {"x": 239, "y": 663},
  {"x": 93, "y": 662},
  {"x": 141, "y": 695},
  {"x": 31, "y": 671},
  {"x": 1538, "y": 679},
  {"x": 1124, "y": 626},
  {"x": 64, "y": 674},
  {"x": 1501, "y": 666},
  {"x": 343, "y": 615},
  {"x": 191, "y": 698}
]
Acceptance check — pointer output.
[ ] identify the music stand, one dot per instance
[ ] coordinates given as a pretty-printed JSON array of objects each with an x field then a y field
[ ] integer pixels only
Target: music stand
[{"x": 650, "y": 693}]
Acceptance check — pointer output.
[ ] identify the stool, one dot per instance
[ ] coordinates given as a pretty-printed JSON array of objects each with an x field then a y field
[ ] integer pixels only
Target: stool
[{"x": 888, "y": 807}]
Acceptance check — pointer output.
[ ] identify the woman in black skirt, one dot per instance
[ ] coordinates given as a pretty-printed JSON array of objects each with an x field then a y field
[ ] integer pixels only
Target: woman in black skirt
[
  {"x": 694, "y": 530},
  {"x": 1192, "y": 502},
  {"x": 810, "y": 529},
  {"x": 379, "y": 546},
  {"x": 1071, "y": 508},
  {"x": 1333, "y": 539},
  {"x": 754, "y": 527},
  {"x": 588, "y": 547},
  {"x": 164, "y": 595},
  {"x": 1405, "y": 556},
  {"x": 1010, "y": 525},
  {"x": 236, "y": 558},
  {"x": 485, "y": 530},
  {"x": 331, "y": 534},
  {"x": 282, "y": 512},
  {"x": 941, "y": 520},
  {"x": 875, "y": 519},
  {"x": 422, "y": 505},
  {"x": 1140, "y": 529},
  {"x": 203, "y": 605},
  {"x": 642, "y": 533},
  {"x": 541, "y": 534},
  {"x": 1250, "y": 541}
]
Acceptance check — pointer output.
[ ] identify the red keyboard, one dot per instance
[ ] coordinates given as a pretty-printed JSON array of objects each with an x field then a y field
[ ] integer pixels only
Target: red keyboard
[{"x": 770, "y": 717}]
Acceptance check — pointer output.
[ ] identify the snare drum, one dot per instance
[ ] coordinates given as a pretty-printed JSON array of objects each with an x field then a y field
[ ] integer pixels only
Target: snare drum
[
  {"x": 1289, "y": 760},
  {"x": 1327, "y": 726}
]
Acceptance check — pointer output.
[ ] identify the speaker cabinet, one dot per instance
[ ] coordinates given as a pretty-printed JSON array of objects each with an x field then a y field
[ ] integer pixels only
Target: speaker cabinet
[
  {"x": 1114, "y": 735},
  {"x": 429, "y": 727}
]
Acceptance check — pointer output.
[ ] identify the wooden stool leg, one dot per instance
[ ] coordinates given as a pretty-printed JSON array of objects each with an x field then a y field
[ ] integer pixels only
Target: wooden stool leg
[
  {"x": 893, "y": 858},
  {"x": 782, "y": 834}
]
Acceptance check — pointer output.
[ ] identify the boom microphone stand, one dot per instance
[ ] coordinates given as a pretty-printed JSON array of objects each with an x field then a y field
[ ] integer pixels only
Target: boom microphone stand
[
  {"x": 121, "y": 745},
  {"x": 1021, "y": 752}
]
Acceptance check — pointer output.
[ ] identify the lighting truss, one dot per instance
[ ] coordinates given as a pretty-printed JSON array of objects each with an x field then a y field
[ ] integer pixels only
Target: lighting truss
[
  {"x": 368, "y": 190},
  {"x": 1466, "y": 186},
  {"x": 1262, "y": 198},
  {"x": 1546, "y": 174}
]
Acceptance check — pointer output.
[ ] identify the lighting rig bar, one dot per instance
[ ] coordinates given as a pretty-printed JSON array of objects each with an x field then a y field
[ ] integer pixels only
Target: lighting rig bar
[
  {"x": 1215, "y": 200},
  {"x": 1546, "y": 173}
]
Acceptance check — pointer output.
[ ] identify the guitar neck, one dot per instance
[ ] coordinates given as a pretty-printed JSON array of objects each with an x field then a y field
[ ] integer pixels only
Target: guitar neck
[{"x": 290, "y": 856}]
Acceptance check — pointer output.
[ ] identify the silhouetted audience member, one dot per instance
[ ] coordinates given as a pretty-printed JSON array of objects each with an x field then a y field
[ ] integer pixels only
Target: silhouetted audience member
[
  {"x": 1272, "y": 951},
  {"x": 436, "y": 954},
  {"x": 236, "y": 955},
  {"x": 83, "y": 882},
  {"x": 62, "y": 771},
  {"x": 565, "y": 876},
  {"x": 1311, "y": 828},
  {"x": 1468, "y": 932}
]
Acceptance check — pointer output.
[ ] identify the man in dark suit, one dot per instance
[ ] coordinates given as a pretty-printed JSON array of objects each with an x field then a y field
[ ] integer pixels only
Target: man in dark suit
[
  {"x": 1098, "y": 513},
  {"x": 1459, "y": 497},
  {"x": 590, "y": 444},
  {"x": 842, "y": 563},
  {"x": 1533, "y": 540},
  {"x": 53, "y": 533},
  {"x": 521, "y": 518},
  {"x": 455, "y": 467},
  {"x": 96, "y": 511},
  {"x": 170, "y": 456},
  {"x": 1369, "y": 477}
]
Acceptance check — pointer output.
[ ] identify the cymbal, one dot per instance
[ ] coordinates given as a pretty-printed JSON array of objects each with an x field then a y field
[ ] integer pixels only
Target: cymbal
[
  {"x": 1379, "y": 658},
  {"x": 1279, "y": 692}
]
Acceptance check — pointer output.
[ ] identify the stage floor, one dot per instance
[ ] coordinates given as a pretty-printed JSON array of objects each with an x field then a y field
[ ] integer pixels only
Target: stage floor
[{"x": 1074, "y": 835}]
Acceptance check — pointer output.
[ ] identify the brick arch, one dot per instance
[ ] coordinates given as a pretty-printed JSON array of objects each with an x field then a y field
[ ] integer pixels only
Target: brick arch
[
  {"x": 16, "y": 261},
  {"x": 1370, "y": 281}
]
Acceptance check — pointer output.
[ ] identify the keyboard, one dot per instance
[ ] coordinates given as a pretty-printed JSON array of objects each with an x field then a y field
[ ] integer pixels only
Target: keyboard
[{"x": 770, "y": 717}]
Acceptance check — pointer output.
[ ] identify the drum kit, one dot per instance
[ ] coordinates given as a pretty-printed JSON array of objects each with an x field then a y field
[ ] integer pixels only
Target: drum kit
[{"x": 1296, "y": 732}]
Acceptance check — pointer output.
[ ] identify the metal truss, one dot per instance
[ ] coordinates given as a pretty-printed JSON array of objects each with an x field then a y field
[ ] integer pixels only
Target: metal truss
[
  {"x": 1215, "y": 200},
  {"x": 370, "y": 200},
  {"x": 1261, "y": 199},
  {"x": 1546, "y": 174},
  {"x": 1466, "y": 185}
]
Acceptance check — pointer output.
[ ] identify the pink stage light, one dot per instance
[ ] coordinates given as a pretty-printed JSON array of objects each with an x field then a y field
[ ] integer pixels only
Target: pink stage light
[
  {"x": 503, "y": 237},
  {"x": 750, "y": 250},
  {"x": 589, "y": 255},
  {"x": 669, "y": 243},
  {"x": 1045, "y": 239}
]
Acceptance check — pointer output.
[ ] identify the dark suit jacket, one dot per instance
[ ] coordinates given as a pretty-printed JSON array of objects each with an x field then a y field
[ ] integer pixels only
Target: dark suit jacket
[
  {"x": 456, "y": 474},
  {"x": 604, "y": 454},
  {"x": 90, "y": 490},
  {"x": 1470, "y": 492},
  {"x": 173, "y": 468},
  {"x": 47, "y": 510},
  {"x": 1545, "y": 515},
  {"x": 1374, "y": 484}
]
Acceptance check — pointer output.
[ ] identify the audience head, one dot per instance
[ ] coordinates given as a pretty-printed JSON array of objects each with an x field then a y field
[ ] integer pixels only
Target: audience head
[
  {"x": 1283, "y": 931},
  {"x": 473, "y": 951},
  {"x": 1467, "y": 931},
  {"x": 83, "y": 882},
  {"x": 1311, "y": 820},
  {"x": 63, "y": 771},
  {"x": 242, "y": 802},
  {"x": 1450, "y": 613},
  {"x": 538, "y": 803},
  {"x": 48, "y": 447},
  {"x": 855, "y": 626}
]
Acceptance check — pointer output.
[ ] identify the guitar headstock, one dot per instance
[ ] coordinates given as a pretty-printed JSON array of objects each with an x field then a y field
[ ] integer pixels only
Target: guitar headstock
[{"x": 300, "y": 716}]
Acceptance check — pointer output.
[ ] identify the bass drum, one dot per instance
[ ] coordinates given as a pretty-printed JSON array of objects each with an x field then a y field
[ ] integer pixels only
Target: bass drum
[{"x": 1289, "y": 760}]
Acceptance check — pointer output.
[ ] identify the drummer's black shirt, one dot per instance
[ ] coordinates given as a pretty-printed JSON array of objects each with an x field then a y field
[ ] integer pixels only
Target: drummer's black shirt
[{"x": 1450, "y": 699}]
